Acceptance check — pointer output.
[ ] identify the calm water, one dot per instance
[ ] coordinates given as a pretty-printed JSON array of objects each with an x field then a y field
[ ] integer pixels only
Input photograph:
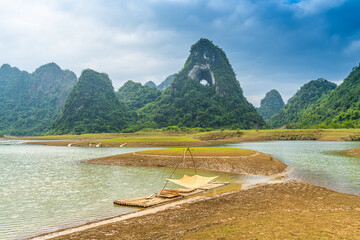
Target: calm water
[
  {"x": 44, "y": 188},
  {"x": 315, "y": 162}
]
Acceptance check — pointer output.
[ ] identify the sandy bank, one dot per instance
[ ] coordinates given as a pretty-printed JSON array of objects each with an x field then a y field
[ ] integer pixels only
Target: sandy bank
[
  {"x": 353, "y": 152},
  {"x": 255, "y": 163},
  {"x": 288, "y": 210}
]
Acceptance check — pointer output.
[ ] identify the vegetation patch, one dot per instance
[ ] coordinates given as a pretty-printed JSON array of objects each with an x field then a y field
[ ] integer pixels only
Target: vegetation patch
[
  {"x": 202, "y": 151},
  {"x": 296, "y": 137},
  {"x": 218, "y": 135},
  {"x": 354, "y": 137},
  {"x": 152, "y": 139}
]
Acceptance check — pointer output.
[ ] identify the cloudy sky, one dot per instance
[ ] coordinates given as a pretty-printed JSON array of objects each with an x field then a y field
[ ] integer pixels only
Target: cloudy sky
[{"x": 279, "y": 44}]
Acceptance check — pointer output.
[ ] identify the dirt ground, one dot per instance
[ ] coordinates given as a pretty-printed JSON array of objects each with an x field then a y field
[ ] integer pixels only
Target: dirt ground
[
  {"x": 256, "y": 163},
  {"x": 288, "y": 210},
  {"x": 354, "y": 152}
]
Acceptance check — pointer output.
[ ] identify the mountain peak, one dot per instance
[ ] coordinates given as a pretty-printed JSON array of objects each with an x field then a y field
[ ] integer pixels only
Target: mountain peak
[
  {"x": 46, "y": 67},
  {"x": 270, "y": 104},
  {"x": 204, "y": 51},
  {"x": 205, "y": 93}
]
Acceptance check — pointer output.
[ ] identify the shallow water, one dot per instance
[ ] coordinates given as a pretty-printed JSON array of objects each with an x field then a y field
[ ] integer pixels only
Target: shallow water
[
  {"x": 44, "y": 188},
  {"x": 315, "y": 162}
]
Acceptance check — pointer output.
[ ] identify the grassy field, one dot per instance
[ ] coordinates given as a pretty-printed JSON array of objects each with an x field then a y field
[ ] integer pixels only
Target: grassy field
[
  {"x": 152, "y": 139},
  {"x": 201, "y": 151},
  {"x": 82, "y": 136},
  {"x": 228, "y": 135}
]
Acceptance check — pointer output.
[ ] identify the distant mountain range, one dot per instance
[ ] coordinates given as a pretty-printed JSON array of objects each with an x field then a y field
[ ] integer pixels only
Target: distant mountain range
[{"x": 205, "y": 93}]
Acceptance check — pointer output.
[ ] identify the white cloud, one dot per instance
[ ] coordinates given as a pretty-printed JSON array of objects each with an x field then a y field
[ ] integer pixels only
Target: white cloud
[
  {"x": 353, "y": 47},
  {"x": 309, "y": 7},
  {"x": 81, "y": 35}
]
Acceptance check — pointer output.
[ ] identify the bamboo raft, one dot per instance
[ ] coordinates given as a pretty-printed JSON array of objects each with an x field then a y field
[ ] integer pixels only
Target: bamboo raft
[{"x": 168, "y": 195}]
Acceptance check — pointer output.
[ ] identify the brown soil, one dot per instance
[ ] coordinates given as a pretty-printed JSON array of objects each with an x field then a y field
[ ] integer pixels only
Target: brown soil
[
  {"x": 288, "y": 210},
  {"x": 354, "y": 152},
  {"x": 256, "y": 163}
]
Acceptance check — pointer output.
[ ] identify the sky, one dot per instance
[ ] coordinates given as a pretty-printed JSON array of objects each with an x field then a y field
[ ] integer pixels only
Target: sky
[{"x": 271, "y": 44}]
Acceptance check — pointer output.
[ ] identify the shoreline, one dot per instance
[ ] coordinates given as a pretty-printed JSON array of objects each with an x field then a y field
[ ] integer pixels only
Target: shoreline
[
  {"x": 286, "y": 196},
  {"x": 276, "y": 178},
  {"x": 302, "y": 205},
  {"x": 255, "y": 164}
]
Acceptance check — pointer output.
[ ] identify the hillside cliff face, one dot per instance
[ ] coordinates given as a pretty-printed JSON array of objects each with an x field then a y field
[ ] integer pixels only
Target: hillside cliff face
[
  {"x": 270, "y": 105},
  {"x": 308, "y": 94},
  {"x": 150, "y": 84},
  {"x": 92, "y": 107},
  {"x": 205, "y": 93},
  {"x": 29, "y": 103},
  {"x": 166, "y": 83}
]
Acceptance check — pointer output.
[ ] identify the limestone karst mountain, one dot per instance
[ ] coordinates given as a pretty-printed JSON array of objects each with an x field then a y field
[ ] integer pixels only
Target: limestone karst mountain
[
  {"x": 150, "y": 84},
  {"x": 166, "y": 83},
  {"x": 135, "y": 95},
  {"x": 338, "y": 109},
  {"x": 308, "y": 94},
  {"x": 270, "y": 105},
  {"x": 29, "y": 103},
  {"x": 92, "y": 107},
  {"x": 205, "y": 93}
]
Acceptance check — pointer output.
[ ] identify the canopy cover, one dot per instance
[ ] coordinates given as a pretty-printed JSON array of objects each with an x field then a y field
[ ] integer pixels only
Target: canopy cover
[{"x": 195, "y": 181}]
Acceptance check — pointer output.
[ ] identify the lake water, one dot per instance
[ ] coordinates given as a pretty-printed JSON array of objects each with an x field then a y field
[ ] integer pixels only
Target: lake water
[
  {"x": 315, "y": 162},
  {"x": 44, "y": 188}
]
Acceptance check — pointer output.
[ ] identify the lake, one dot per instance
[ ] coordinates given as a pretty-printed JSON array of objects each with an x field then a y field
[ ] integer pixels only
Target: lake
[
  {"x": 317, "y": 162},
  {"x": 43, "y": 189}
]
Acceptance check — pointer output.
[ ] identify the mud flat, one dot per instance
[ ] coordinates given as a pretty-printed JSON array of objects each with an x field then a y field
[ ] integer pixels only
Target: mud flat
[{"x": 232, "y": 160}]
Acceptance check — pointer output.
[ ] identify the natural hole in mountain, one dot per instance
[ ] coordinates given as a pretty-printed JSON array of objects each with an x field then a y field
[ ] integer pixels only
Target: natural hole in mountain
[{"x": 204, "y": 76}]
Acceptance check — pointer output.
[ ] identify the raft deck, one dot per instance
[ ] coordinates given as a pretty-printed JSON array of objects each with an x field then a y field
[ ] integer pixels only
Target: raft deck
[{"x": 157, "y": 199}]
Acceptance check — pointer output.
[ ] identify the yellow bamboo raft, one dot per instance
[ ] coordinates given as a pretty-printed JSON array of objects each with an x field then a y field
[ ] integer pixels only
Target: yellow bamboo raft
[{"x": 168, "y": 195}]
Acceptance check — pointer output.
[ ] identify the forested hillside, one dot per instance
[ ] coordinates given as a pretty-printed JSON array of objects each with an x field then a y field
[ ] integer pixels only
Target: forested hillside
[
  {"x": 304, "y": 98},
  {"x": 205, "y": 93},
  {"x": 270, "y": 105},
  {"x": 135, "y": 95},
  {"x": 92, "y": 107},
  {"x": 29, "y": 103},
  {"x": 340, "y": 108}
]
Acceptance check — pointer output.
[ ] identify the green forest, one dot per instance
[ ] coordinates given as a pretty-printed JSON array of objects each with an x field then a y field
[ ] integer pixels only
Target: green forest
[
  {"x": 92, "y": 107},
  {"x": 300, "y": 102},
  {"x": 29, "y": 103}
]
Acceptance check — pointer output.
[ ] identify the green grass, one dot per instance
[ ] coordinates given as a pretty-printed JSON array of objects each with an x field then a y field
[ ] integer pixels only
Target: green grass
[
  {"x": 202, "y": 151},
  {"x": 161, "y": 136},
  {"x": 82, "y": 136},
  {"x": 152, "y": 139}
]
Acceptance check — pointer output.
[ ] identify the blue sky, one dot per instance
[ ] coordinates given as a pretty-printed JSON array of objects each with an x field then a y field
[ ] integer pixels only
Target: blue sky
[{"x": 279, "y": 44}]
